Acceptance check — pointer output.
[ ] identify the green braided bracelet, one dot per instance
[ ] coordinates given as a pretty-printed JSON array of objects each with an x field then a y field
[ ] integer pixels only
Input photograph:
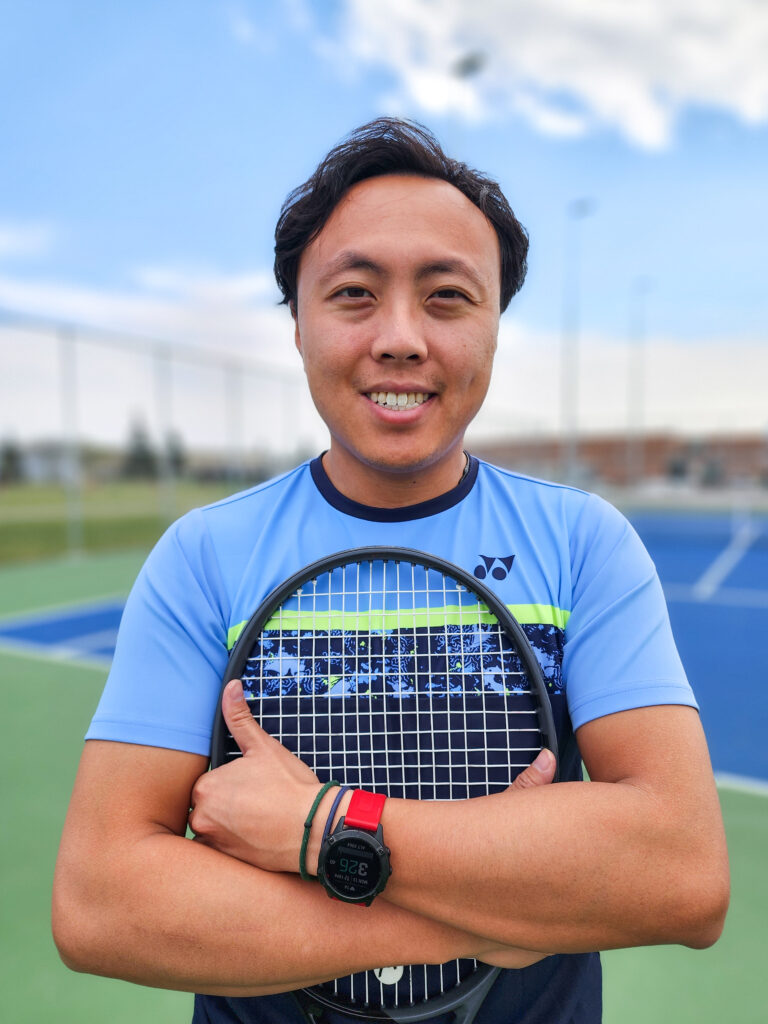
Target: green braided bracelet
[{"x": 308, "y": 827}]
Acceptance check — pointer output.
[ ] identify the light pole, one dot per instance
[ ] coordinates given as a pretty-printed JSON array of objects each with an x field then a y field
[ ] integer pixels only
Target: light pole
[
  {"x": 576, "y": 211},
  {"x": 636, "y": 378},
  {"x": 162, "y": 357}
]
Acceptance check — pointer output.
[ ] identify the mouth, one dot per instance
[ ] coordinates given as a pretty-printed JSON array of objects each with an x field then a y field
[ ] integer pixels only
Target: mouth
[{"x": 398, "y": 401}]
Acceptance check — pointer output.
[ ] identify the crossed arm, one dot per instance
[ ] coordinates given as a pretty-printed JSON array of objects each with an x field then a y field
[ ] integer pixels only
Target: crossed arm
[{"x": 636, "y": 856}]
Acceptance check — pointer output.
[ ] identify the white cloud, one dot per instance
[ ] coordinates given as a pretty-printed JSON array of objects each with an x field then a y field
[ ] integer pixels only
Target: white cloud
[
  {"x": 238, "y": 314},
  {"x": 567, "y": 66},
  {"x": 24, "y": 240},
  {"x": 236, "y": 373},
  {"x": 691, "y": 387},
  {"x": 685, "y": 386},
  {"x": 246, "y": 31},
  {"x": 208, "y": 286},
  {"x": 300, "y": 16}
]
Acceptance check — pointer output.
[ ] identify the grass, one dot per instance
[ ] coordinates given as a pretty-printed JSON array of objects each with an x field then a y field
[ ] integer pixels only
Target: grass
[
  {"x": 38, "y": 521},
  {"x": 671, "y": 983},
  {"x": 46, "y": 708}
]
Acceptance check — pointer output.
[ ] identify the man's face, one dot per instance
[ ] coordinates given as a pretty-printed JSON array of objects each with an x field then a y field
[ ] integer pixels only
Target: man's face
[{"x": 396, "y": 321}]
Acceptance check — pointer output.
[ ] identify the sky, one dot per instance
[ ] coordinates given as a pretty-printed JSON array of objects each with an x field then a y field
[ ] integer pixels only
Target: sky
[{"x": 148, "y": 147}]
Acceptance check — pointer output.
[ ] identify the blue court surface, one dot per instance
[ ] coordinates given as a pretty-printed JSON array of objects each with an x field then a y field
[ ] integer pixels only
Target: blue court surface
[
  {"x": 78, "y": 633},
  {"x": 715, "y": 576}
]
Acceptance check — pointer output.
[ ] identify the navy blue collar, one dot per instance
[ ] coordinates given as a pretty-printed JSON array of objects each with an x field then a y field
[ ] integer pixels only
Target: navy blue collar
[{"x": 393, "y": 515}]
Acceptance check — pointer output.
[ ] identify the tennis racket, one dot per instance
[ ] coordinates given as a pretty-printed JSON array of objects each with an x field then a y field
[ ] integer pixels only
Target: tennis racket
[{"x": 394, "y": 671}]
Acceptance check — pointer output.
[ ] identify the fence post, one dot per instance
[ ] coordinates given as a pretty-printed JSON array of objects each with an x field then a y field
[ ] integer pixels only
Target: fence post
[{"x": 72, "y": 457}]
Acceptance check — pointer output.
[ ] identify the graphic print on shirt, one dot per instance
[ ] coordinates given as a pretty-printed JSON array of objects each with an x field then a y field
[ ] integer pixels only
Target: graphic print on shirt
[{"x": 405, "y": 688}]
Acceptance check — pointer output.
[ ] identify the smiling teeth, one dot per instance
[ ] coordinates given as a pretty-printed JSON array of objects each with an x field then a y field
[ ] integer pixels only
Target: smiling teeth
[{"x": 403, "y": 400}]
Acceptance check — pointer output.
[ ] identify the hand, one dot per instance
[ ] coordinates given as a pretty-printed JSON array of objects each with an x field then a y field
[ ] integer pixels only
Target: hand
[
  {"x": 539, "y": 773},
  {"x": 254, "y": 808}
]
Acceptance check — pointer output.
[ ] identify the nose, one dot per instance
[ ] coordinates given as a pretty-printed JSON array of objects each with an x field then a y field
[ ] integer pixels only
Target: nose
[{"x": 399, "y": 335}]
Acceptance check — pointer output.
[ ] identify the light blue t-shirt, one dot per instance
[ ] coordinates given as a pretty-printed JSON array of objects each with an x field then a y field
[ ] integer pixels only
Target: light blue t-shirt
[{"x": 571, "y": 567}]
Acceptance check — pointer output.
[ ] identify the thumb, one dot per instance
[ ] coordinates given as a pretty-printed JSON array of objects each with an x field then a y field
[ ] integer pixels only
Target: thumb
[
  {"x": 245, "y": 730},
  {"x": 539, "y": 773}
]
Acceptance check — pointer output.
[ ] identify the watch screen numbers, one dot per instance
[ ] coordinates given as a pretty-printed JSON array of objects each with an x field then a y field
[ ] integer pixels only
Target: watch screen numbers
[
  {"x": 350, "y": 866},
  {"x": 353, "y": 868}
]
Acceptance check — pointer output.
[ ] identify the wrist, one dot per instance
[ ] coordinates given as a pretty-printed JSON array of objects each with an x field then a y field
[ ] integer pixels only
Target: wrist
[
  {"x": 354, "y": 861},
  {"x": 318, "y": 825}
]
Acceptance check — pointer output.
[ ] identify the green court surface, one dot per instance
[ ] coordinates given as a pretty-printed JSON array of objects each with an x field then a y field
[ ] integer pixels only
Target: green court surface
[{"x": 45, "y": 711}]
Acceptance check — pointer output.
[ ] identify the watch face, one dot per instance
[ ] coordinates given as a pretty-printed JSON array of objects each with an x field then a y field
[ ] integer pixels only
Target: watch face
[{"x": 353, "y": 867}]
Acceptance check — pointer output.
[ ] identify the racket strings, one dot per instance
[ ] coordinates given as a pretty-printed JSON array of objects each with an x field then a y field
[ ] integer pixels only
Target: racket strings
[
  {"x": 445, "y": 752},
  {"x": 394, "y": 677},
  {"x": 418, "y": 984}
]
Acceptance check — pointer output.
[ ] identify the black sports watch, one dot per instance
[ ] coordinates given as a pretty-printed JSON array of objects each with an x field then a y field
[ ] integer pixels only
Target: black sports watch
[{"x": 354, "y": 862}]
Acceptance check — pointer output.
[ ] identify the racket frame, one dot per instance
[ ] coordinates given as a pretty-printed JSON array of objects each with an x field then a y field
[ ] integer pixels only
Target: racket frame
[
  {"x": 272, "y": 602},
  {"x": 464, "y": 1000}
]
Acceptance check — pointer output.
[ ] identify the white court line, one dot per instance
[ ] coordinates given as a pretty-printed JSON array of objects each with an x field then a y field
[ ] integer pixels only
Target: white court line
[
  {"x": 742, "y": 783},
  {"x": 87, "y": 642},
  {"x": 728, "y": 559},
  {"x": 737, "y": 597},
  {"x": 61, "y": 655},
  {"x": 56, "y": 611}
]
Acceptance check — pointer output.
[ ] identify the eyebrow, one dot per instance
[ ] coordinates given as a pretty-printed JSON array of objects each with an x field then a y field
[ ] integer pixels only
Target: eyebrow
[
  {"x": 454, "y": 266},
  {"x": 350, "y": 260},
  {"x": 353, "y": 260}
]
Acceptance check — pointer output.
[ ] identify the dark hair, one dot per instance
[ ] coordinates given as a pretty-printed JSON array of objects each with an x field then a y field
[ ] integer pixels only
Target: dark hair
[{"x": 390, "y": 146}]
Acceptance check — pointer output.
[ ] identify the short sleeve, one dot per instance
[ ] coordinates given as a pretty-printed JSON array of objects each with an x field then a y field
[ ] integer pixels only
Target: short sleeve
[
  {"x": 619, "y": 649},
  {"x": 171, "y": 651}
]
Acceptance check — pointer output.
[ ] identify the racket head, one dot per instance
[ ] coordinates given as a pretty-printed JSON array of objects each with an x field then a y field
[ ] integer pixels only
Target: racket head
[
  {"x": 393, "y": 670},
  {"x": 223, "y": 748},
  {"x": 463, "y": 999}
]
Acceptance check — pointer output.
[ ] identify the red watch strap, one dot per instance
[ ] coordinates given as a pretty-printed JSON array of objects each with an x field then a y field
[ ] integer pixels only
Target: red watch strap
[{"x": 364, "y": 810}]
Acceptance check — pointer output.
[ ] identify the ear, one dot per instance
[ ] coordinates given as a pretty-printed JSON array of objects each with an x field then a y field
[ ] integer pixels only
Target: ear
[{"x": 296, "y": 330}]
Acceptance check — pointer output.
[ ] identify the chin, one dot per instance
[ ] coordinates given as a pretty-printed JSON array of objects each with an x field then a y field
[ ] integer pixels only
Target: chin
[{"x": 403, "y": 462}]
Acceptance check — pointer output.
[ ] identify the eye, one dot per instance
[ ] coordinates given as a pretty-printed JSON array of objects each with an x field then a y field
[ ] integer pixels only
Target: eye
[
  {"x": 352, "y": 291},
  {"x": 449, "y": 294}
]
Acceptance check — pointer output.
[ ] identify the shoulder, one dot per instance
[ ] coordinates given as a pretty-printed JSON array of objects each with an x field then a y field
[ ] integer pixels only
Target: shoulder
[
  {"x": 523, "y": 485},
  {"x": 265, "y": 494},
  {"x": 244, "y": 510},
  {"x": 572, "y": 508},
  {"x": 564, "y": 526},
  {"x": 213, "y": 542}
]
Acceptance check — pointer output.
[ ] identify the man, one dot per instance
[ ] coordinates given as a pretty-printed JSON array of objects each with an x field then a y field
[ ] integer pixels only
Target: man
[{"x": 396, "y": 263}]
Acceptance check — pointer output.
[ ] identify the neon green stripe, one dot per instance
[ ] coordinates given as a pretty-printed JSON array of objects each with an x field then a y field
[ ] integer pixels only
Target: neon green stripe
[
  {"x": 378, "y": 621},
  {"x": 234, "y": 633},
  {"x": 540, "y": 614}
]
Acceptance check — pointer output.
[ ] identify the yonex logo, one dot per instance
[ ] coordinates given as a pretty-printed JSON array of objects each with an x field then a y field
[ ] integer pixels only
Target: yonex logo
[
  {"x": 389, "y": 975},
  {"x": 499, "y": 572}
]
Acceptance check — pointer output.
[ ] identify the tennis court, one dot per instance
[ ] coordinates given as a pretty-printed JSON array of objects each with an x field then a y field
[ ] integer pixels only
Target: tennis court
[{"x": 57, "y": 624}]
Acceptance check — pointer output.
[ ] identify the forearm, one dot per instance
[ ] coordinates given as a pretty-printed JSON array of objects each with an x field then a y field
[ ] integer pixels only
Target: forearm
[
  {"x": 174, "y": 914},
  {"x": 133, "y": 899},
  {"x": 567, "y": 869},
  {"x": 576, "y": 866}
]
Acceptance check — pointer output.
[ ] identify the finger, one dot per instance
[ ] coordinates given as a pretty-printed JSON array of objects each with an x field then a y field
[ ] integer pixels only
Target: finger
[
  {"x": 245, "y": 730},
  {"x": 541, "y": 772}
]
